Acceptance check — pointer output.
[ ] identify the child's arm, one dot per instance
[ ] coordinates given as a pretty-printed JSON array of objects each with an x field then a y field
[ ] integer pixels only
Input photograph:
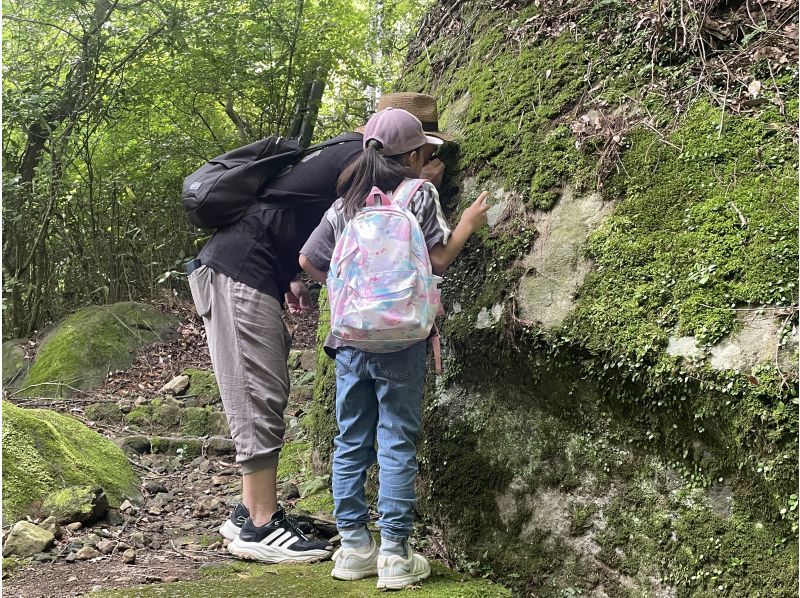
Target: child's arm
[
  {"x": 315, "y": 255},
  {"x": 312, "y": 270},
  {"x": 472, "y": 219}
]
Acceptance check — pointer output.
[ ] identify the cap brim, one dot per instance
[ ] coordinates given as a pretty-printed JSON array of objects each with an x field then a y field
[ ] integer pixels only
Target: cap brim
[
  {"x": 440, "y": 135},
  {"x": 433, "y": 140}
]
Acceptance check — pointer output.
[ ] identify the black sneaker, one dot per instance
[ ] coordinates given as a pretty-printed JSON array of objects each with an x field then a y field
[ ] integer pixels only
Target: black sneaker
[
  {"x": 279, "y": 541},
  {"x": 233, "y": 524}
]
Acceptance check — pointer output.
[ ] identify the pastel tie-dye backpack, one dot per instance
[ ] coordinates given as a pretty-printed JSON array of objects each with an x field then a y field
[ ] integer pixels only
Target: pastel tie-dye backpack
[{"x": 383, "y": 294}]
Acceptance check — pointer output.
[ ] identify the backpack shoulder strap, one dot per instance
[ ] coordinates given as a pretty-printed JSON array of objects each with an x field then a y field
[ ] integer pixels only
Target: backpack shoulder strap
[
  {"x": 405, "y": 191},
  {"x": 343, "y": 138}
]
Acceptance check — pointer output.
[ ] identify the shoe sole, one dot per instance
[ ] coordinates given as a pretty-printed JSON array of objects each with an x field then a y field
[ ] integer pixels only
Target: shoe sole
[
  {"x": 346, "y": 575},
  {"x": 229, "y": 531},
  {"x": 254, "y": 551},
  {"x": 399, "y": 582}
]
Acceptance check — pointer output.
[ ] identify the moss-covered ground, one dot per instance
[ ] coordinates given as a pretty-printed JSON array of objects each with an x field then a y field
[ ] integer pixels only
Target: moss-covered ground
[
  {"x": 44, "y": 451},
  {"x": 284, "y": 581}
]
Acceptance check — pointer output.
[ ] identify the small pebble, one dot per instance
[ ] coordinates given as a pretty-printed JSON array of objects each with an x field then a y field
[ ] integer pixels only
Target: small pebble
[
  {"x": 87, "y": 552},
  {"x": 105, "y": 546},
  {"x": 74, "y": 527},
  {"x": 129, "y": 556}
]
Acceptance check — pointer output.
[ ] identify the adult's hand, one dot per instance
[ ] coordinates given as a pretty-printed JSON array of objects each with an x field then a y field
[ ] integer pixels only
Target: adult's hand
[
  {"x": 298, "y": 299},
  {"x": 434, "y": 172}
]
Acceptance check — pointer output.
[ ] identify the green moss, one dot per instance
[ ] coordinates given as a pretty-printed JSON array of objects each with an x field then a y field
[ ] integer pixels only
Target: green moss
[
  {"x": 319, "y": 502},
  {"x": 81, "y": 351},
  {"x": 287, "y": 581},
  {"x": 45, "y": 451},
  {"x": 321, "y": 418},
  {"x": 187, "y": 448},
  {"x": 140, "y": 416},
  {"x": 103, "y": 412},
  {"x": 166, "y": 414},
  {"x": 197, "y": 421},
  {"x": 677, "y": 246},
  {"x": 12, "y": 563},
  {"x": 295, "y": 459},
  {"x": 202, "y": 384},
  {"x": 581, "y": 518}
]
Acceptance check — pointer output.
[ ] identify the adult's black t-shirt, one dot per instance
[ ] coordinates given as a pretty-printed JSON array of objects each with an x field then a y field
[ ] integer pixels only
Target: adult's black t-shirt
[{"x": 262, "y": 248}]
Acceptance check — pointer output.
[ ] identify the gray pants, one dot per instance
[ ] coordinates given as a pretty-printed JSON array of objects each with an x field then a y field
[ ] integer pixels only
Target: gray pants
[{"x": 249, "y": 346}]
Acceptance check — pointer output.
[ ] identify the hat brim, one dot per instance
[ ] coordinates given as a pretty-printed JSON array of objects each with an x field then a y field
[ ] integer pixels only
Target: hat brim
[
  {"x": 434, "y": 140},
  {"x": 441, "y": 135}
]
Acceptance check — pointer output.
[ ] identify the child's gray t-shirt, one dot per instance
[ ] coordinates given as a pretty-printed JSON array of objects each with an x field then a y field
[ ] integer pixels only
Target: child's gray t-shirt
[{"x": 318, "y": 249}]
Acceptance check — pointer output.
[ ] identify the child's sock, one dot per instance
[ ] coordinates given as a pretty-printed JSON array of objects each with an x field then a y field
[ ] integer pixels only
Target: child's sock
[
  {"x": 355, "y": 537},
  {"x": 393, "y": 547}
]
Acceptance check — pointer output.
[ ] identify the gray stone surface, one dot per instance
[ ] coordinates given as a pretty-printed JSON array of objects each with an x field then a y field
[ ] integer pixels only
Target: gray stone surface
[
  {"x": 684, "y": 346},
  {"x": 14, "y": 362},
  {"x": 557, "y": 265},
  {"x": 756, "y": 342},
  {"x": 488, "y": 318},
  {"x": 176, "y": 386},
  {"x": 26, "y": 539}
]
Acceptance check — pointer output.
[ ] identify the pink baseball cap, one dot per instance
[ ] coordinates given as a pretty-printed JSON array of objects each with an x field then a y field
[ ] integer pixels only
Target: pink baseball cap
[{"x": 398, "y": 131}]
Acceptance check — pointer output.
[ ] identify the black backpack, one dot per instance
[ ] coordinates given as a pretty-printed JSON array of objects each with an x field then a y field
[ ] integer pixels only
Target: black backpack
[{"x": 222, "y": 190}]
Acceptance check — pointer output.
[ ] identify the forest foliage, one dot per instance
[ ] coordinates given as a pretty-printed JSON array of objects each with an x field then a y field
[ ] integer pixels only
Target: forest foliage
[{"x": 108, "y": 104}]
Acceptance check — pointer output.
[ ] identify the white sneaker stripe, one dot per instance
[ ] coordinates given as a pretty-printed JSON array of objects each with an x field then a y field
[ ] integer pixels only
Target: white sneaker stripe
[
  {"x": 289, "y": 542},
  {"x": 273, "y": 536},
  {"x": 283, "y": 537}
]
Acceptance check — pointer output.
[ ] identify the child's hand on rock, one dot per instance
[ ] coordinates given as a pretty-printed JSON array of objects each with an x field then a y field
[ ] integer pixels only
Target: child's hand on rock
[{"x": 475, "y": 215}]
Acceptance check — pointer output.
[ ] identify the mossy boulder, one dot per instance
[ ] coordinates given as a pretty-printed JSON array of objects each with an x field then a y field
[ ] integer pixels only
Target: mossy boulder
[
  {"x": 84, "y": 504},
  {"x": 81, "y": 351},
  {"x": 291, "y": 581},
  {"x": 602, "y": 462},
  {"x": 203, "y": 387},
  {"x": 45, "y": 451},
  {"x": 26, "y": 539}
]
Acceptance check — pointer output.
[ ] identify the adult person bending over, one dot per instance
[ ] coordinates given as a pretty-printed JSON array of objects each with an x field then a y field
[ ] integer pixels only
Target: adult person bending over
[{"x": 240, "y": 280}]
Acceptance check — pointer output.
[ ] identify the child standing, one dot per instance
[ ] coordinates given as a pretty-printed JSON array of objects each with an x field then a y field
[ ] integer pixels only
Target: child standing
[{"x": 379, "y": 394}]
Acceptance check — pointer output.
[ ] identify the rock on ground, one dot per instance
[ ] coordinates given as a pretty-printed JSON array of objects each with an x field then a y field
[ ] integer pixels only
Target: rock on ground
[{"x": 26, "y": 539}]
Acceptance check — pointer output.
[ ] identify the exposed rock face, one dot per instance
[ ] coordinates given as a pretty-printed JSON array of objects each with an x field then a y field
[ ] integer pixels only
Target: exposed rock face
[
  {"x": 761, "y": 340},
  {"x": 557, "y": 265},
  {"x": 14, "y": 362}
]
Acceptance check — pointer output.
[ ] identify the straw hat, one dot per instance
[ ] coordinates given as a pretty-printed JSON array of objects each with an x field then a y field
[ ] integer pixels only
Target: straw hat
[{"x": 420, "y": 105}]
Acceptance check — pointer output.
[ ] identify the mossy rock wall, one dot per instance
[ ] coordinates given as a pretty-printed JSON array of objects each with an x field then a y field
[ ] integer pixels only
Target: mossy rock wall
[
  {"x": 44, "y": 451},
  {"x": 81, "y": 351},
  {"x": 610, "y": 421}
]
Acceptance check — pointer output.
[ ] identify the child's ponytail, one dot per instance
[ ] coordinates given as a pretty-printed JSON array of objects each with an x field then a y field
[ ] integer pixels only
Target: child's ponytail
[{"x": 370, "y": 169}]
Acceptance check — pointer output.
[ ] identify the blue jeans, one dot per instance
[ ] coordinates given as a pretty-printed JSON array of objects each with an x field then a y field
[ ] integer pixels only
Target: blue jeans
[{"x": 378, "y": 398}]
